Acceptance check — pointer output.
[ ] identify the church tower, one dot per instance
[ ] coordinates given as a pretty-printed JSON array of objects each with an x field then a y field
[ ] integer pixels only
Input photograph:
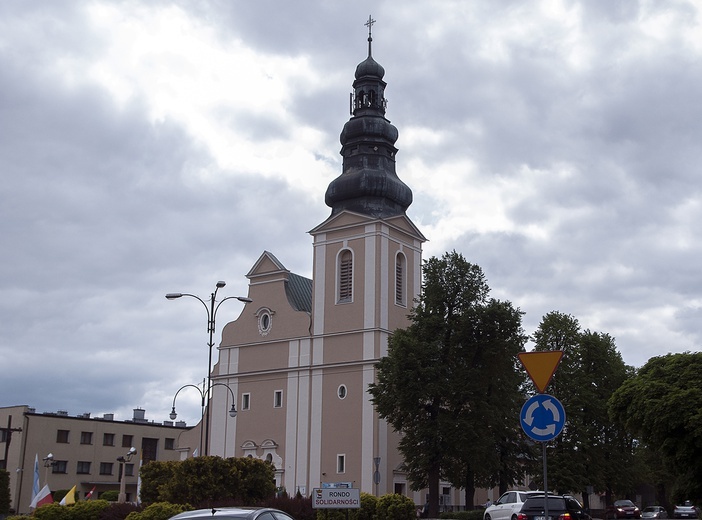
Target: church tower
[
  {"x": 367, "y": 271},
  {"x": 300, "y": 357}
]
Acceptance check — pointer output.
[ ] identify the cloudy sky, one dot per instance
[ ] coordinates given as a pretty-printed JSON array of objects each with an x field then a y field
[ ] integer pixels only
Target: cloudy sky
[{"x": 154, "y": 147}]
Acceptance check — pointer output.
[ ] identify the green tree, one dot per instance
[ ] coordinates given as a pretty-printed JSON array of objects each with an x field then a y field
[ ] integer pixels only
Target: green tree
[
  {"x": 432, "y": 385},
  {"x": 662, "y": 406},
  {"x": 4, "y": 492},
  {"x": 395, "y": 507},
  {"x": 590, "y": 371}
]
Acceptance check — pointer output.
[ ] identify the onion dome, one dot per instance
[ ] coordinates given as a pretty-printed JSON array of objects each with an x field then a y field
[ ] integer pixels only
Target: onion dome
[{"x": 368, "y": 183}]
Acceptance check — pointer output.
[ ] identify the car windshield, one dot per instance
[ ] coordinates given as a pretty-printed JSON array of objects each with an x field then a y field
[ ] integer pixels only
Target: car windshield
[{"x": 624, "y": 503}]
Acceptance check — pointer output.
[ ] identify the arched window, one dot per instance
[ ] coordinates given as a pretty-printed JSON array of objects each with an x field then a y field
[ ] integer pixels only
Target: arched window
[
  {"x": 345, "y": 277},
  {"x": 400, "y": 279}
]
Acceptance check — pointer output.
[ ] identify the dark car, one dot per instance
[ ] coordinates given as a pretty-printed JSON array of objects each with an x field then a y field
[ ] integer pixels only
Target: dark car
[
  {"x": 560, "y": 507},
  {"x": 622, "y": 509},
  {"x": 655, "y": 512},
  {"x": 234, "y": 513}
]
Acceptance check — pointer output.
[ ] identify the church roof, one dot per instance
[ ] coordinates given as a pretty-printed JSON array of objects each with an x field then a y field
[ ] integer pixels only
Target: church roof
[{"x": 299, "y": 292}]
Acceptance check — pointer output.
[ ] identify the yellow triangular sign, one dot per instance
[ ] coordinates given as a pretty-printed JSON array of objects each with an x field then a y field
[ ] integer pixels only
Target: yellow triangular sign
[{"x": 541, "y": 366}]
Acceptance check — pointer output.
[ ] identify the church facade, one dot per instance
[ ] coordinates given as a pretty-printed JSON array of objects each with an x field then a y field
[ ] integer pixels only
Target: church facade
[{"x": 300, "y": 357}]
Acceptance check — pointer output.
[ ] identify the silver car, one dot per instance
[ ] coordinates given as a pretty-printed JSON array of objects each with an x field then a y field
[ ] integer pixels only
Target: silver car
[
  {"x": 656, "y": 512},
  {"x": 234, "y": 513}
]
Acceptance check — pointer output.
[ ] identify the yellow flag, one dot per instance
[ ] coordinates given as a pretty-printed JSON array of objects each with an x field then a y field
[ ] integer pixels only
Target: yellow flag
[{"x": 70, "y": 497}]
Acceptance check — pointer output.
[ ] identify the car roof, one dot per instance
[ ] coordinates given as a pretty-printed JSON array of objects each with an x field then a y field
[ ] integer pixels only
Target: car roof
[{"x": 224, "y": 512}]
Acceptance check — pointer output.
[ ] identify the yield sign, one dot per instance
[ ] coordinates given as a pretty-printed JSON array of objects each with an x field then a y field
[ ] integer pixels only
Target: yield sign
[{"x": 541, "y": 366}]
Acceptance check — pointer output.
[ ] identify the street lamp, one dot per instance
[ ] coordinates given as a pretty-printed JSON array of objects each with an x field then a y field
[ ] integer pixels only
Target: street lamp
[
  {"x": 203, "y": 394},
  {"x": 211, "y": 316},
  {"x": 122, "y": 497},
  {"x": 48, "y": 463}
]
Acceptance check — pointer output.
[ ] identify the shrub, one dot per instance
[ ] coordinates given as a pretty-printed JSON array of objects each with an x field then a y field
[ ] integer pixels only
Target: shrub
[
  {"x": 88, "y": 509},
  {"x": 463, "y": 515},
  {"x": 369, "y": 504},
  {"x": 53, "y": 511},
  {"x": 298, "y": 507},
  {"x": 117, "y": 511},
  {"x": 111, "y": 495},
  {"x": 395, "y": 507},
  {"x": 158, "y": 511}
]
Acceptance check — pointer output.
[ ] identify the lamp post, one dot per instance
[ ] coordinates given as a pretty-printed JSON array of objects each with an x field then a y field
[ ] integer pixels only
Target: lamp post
[
  {"x": 211, "y": 316},
  {"x": 48, "y": 463},
  {"x": 203, "y": 394},
  {"x": 122, "y": 497}
]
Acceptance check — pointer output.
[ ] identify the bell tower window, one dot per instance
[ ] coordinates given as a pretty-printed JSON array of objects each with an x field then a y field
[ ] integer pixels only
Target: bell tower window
[
  {"x": 345, "y": 277},
  {"x": 400, "y": 279}
]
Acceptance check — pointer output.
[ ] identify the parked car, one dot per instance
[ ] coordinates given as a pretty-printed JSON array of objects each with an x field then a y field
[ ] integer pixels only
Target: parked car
[
  {"x": 622, "y": 509},
  {"x": 507, "y": 507},
  {"x": 560, "y": 507},
  {"x": 234, "y": 513},
  {"x": 656, "y": 512},
  {"x": 687, "y": 510}
]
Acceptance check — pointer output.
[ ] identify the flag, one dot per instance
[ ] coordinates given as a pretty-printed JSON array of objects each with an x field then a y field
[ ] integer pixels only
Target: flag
[
  {"x": 43, "y": 497},
  {"x": 87, "y": 497},
  {"x": 70, "y": 497},
  {"x": 35, "y": 486}
]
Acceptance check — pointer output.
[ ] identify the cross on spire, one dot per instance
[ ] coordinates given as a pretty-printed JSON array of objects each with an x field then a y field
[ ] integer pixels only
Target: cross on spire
[{"x": 369, "y": 24}]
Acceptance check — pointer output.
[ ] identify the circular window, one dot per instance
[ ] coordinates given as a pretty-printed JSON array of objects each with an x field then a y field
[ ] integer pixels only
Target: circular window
[
  {"x": 341, "y": 392},
  {"x": 264, "y": 323}
]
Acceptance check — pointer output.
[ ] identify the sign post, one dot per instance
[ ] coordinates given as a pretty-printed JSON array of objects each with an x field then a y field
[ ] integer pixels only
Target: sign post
[{"x": 542, "y": 416}]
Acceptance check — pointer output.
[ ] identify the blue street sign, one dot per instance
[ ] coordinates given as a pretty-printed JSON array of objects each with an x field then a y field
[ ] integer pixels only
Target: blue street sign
[{"x": 542, "y": 417}]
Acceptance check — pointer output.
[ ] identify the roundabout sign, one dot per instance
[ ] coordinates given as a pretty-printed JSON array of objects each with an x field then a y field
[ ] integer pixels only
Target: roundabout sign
[{"x": 542, "y": 417}]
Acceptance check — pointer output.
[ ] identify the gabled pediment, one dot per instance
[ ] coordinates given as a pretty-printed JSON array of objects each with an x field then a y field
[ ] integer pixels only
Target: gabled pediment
[
  {"x": 349, "y": 219},
  {"x": 266, "y": 264}
]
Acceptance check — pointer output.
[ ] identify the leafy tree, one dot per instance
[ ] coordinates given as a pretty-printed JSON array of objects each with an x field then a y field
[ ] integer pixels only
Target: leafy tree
[
  {"x": 662, "y": 406},
  {"x": 432, "y": 385},
  {"x": 4, "y": 492},
  {"x": 589, "y": 373}
]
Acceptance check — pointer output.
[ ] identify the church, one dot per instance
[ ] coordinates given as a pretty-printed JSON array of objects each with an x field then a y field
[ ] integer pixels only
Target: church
[{"x": 301, "y": 355}]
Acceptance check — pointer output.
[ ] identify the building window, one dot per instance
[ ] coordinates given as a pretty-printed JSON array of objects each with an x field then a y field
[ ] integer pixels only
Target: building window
[
  {"x": 341, "y": 463},
  {"x": 62, "y": 436},
  {"x": 278, "y": 399},
  {"x": 245, "y": 401},
  {"x": 83, "y": 467},
  {"x": 108, "y": 439},
  {"x": 106, "y": 468},
  {"x": 169, "y": 444},
  {"x": 400, "y": 279},
  {"x": 86, "y": 437},
  {"x": 341, "y": 391},
  {"x": 265, "y": 321},
  {"x": 129, "y": 470},
  {"x": 345, "y": 277},
  {"x": 59, "y": 466},
  {"x": 127, "y": 441},
  {"x": 3, "y": 435}
]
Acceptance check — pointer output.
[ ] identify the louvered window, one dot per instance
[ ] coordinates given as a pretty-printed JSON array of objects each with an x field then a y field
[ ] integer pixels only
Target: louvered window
[
  {"x": 400, "y": 279},
  {"x": 345, "y": 277}
]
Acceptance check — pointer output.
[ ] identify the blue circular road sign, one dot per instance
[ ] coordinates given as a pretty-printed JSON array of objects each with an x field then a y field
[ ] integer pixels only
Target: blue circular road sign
[{"x": 542, "y": 417}]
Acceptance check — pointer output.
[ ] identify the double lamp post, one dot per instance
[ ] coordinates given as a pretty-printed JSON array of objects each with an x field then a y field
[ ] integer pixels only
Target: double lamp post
[{"x": 211, "y": 308}]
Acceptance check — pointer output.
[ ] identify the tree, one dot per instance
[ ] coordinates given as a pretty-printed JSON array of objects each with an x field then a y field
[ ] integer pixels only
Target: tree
[
  {"x": 431, "y": 387},
  {"x": 662, "y": 406},
  {"x": 589, "y": 373}
]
